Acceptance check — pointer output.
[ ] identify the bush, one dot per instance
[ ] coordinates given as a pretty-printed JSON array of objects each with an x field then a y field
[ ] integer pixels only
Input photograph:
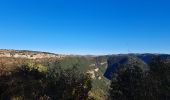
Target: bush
[
  {"x": 68, "y": 84},
  {"x": 33, "y": 81}
]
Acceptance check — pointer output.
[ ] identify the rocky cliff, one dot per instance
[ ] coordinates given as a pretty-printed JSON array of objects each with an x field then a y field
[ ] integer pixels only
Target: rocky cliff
[{"x": 28, "y": 54}]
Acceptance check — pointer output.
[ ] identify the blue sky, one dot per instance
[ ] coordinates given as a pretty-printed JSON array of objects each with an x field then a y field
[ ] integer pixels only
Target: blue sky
[{"x": 86, "y": 26}]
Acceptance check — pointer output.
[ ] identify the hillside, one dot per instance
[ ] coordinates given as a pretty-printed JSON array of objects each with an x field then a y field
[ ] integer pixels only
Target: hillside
[
  {"x": 28, "y": 54},
  {"x": 142, "y": 59},
  {"x": 100, "y": 68},
  {"x": 95, "y": 66}
]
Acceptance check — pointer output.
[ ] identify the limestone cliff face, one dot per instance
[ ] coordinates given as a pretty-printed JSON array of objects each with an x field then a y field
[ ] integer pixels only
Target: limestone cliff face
[
  {"x": 28, "y": 54},
  {"x": 140, "y": 60}
]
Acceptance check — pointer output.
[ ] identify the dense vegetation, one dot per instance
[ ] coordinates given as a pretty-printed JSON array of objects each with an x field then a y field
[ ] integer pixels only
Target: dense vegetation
[
  {"x": 130, "y": 82},
  {"x": 51, "y": 79},
  {"x": 67, "y": 79},
  {"x": 33, "y": 81}
]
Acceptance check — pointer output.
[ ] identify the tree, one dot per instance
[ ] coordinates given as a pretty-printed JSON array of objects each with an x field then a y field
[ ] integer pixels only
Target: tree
[
  {"x": 131, "y": 83},
  {"x": 126, "y": 83},
  {"x": 159, "y": 78},
  {"x": 25, "y": 83},
  {"x": 68, "y": 84}
]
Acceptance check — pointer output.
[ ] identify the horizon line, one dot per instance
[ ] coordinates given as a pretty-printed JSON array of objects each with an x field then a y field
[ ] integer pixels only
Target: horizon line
[{"x": 84, "y": 54}]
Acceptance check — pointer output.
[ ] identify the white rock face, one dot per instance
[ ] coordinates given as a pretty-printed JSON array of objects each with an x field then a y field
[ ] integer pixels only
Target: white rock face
[
  {"x": 92, "y": 65},
  {"x": 5, "y": 55},
  {"x": 92, "y": 74},
  {"x": 96, "y": 70},
  {"x": 99, "y": 78},
  {"x": 103, "y": 63},
  {"x": 20, "y": 56}
]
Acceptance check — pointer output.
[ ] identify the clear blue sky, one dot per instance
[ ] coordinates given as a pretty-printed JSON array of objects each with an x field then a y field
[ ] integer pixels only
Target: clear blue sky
[{"x": 86, "y": 26}]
